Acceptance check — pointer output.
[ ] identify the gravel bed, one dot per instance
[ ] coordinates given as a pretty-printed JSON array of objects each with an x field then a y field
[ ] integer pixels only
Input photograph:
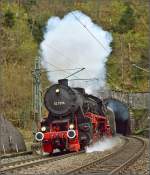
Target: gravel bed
[
  {"x": 62, "y": 166},
  {"x": 141, "y": 166}
]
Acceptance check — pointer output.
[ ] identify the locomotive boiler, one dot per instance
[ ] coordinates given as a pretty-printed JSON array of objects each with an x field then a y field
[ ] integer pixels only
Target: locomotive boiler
[{"x": 75, "y": 119}]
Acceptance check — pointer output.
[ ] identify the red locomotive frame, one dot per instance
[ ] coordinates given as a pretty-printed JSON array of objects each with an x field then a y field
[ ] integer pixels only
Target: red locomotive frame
[{"x": 51, "y": 139}]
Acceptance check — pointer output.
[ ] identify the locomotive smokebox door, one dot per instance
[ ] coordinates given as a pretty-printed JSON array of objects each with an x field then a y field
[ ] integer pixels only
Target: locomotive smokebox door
[
  {"x": 58, "y": 100},
  {"x": 61, "y": 100}
]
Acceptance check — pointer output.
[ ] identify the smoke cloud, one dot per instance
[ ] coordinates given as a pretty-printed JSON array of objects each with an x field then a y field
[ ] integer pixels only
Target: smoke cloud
[
  {"x": 103, "y": 145},
  {"x": 68, "y": 45}
]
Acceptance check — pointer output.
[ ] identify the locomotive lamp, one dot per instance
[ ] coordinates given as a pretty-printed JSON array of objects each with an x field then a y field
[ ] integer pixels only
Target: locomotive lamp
[
  {"x": 43, "y": 129},
  {"x": 39, "y": 136},
  {"x": 71, "y": 126},
  {"x": 71, "y": 134},
  {"x": 57, "y": 91}
]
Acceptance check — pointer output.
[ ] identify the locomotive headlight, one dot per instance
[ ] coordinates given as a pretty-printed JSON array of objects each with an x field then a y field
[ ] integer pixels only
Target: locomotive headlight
[
  {"x": 43, "y": 129},
  {"x": 39, "y": 136},
  {"x": 71, "y": 134},
  {"x": 71, "y": 126},
  {"x": 57, "y": 91}
]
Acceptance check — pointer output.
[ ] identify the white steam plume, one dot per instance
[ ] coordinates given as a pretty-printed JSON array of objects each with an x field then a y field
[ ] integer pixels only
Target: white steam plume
[
  {"x": 103, "y": 145},
  {"x": 67, "y": 44}
]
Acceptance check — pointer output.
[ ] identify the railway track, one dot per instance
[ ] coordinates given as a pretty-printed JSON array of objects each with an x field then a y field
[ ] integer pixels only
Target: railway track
[
  {"x": 21, "y": 164},
  {"x": 111, "y": 164},
  {"x": 15, "y": 154}
]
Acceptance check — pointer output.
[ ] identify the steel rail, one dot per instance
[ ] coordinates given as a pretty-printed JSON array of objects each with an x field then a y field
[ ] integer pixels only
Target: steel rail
[
  {"x": 109, "y": 169},
  {"x": 13, "y": 163},
  {"x": 76, "y": 170},
  {"x": 15, "y": 154},
  {"x": 132, "y": 159},
  {"x": 11, "y": 166}
]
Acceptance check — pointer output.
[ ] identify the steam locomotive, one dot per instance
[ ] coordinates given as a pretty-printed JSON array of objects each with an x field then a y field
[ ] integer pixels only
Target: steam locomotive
[{"x": 75, "y": 119}]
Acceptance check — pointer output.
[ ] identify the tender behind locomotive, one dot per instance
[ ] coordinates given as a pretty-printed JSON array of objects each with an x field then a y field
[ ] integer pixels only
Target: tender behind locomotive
[{"x": 75, "y": 119}]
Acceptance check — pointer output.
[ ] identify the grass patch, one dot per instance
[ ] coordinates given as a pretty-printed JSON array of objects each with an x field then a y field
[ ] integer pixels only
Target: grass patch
[
  {"x": 28, "y": 137},
  {"x": 139, "y": 113},
  {"x": 142, "y": 131},
  {"x": 27, "y": 134}
]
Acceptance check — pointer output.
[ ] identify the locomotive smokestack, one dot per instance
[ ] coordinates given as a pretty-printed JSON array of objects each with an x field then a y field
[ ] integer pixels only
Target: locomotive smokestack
[{"x": 63, "y": 82}]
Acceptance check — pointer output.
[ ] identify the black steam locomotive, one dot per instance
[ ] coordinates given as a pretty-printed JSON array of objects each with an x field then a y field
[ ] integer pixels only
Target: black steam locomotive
[{"x": 75, "y": 120}]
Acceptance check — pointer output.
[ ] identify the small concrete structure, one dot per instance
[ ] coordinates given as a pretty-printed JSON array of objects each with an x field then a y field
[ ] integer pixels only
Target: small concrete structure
[{"x": 11, "y": 139}]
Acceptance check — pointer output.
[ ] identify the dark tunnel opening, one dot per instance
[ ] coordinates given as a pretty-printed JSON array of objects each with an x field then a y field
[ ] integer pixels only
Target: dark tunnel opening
[{"x": 122, "y": 116}]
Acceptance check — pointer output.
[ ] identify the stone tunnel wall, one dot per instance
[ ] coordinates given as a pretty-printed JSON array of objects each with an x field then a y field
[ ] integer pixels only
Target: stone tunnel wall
[
  {"x": 139, "y": 100},
  {"x": 135, "y": 101}
]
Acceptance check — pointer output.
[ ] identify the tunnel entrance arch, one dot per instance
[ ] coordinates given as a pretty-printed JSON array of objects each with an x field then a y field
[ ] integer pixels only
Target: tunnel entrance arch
[{"x": 122, "y": 115}]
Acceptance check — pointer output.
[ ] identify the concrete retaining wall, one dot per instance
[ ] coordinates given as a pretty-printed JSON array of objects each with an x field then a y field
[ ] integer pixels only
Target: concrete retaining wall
[{"x": 11, "y": 139}]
